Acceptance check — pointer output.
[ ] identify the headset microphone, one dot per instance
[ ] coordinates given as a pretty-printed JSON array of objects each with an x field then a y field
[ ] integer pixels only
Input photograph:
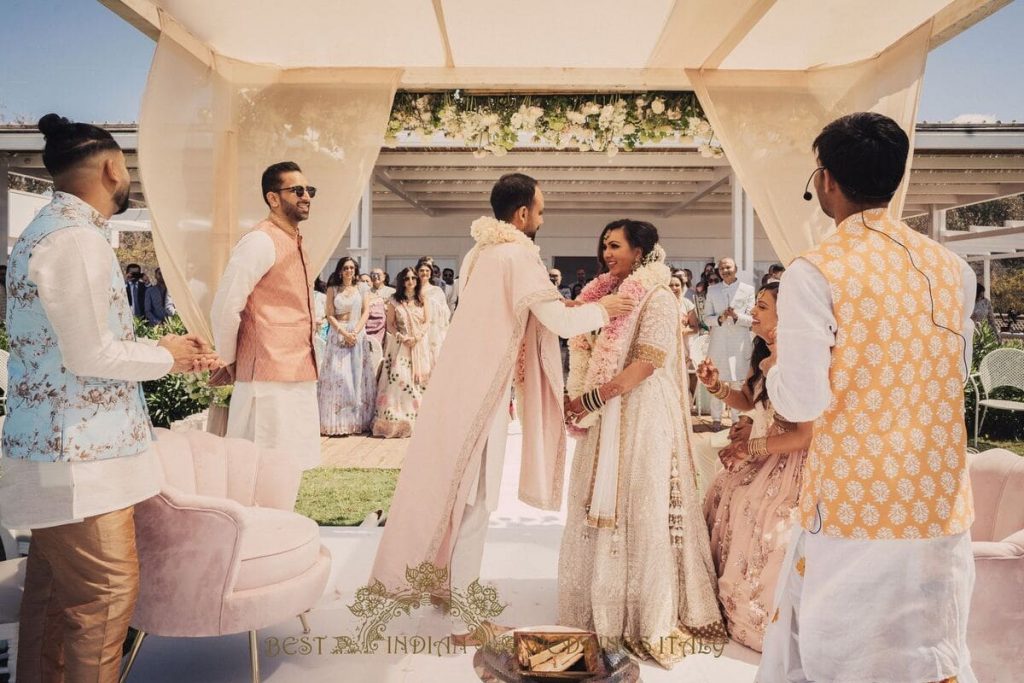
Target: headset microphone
[{"x": 807, "y": 191}]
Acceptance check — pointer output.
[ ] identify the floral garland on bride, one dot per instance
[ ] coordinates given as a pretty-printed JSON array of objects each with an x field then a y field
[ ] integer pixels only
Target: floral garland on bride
[{"x": 593, "y": 362}]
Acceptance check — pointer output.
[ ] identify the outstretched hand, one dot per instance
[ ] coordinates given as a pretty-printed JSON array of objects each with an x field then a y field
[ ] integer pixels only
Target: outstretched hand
[{"x": 707, "y": 373}]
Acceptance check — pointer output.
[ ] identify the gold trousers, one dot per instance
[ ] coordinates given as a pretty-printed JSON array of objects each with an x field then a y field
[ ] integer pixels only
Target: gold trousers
[{"x": 81, "y": 583}]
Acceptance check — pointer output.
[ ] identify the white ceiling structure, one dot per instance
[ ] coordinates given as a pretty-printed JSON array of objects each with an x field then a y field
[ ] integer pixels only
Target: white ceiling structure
[
  {"x": 954, "y": 165},
  {"x": 533, "y": 45}
]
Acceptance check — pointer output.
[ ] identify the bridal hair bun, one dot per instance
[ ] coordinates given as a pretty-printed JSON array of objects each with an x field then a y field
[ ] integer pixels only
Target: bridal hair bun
[
  {"x": 656, "y": 255},
  {"x": 69, "y": 143},
  {"x": 53, "y": 124}
]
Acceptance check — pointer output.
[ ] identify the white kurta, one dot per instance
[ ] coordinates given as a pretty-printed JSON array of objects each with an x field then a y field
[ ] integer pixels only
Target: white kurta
[
  {"x": 71, "y": 269},
  {"x": 730, "y": 344},
  {"x": 279, "y": 415},
  {"x": 878, "y": 610}
]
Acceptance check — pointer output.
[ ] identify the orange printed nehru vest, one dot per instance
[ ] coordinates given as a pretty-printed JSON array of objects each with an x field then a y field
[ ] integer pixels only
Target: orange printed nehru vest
[
  {"x": 888, "y": 459},
  {"x": 275, "y": 335}
]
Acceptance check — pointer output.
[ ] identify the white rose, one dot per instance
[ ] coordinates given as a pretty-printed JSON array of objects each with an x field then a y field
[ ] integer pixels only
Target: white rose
[
  {"x": 575, "y": 117},
  {"x": 658, "y": 106}
]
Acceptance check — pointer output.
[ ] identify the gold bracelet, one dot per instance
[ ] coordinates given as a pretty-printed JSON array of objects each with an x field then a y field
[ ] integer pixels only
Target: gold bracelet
[
  {"x": 758, "y": 448},
  {"x": 722, "y": 392}
]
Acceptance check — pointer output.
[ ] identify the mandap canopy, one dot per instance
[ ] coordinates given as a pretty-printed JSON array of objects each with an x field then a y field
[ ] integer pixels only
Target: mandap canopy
[{"x": 238, "y": 84}]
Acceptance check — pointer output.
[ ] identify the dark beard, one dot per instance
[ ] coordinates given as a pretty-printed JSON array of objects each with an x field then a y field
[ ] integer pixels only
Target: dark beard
[
  {"x": 122, "y": 198},
  {"x": 292, "y": 213}
]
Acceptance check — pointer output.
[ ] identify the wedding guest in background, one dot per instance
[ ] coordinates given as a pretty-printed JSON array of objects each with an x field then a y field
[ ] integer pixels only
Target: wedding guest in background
[
  {"x": 451, "y": 288},
  {"x": 376, "y": 331},
  {"x": 76, "y": 371},
  {"x": 688, "y": 283},
  {"x": 379, "y": 283},
  {"x": 752, "y": 504},
  {"x": 555, "y": 275},
  {"x": 440, "y": 314},
  {"x": 347, "y": 389},
  {"x": 407, "y": 363},
  {"x": 157, "y": 301},
  {"x": 136, "y": 289},
  {"x": 727, "y": 315},
  {"x": 263, "y": 323},
  {"x": 983, "y": 312},
  {"x": 689, "y": 328}
]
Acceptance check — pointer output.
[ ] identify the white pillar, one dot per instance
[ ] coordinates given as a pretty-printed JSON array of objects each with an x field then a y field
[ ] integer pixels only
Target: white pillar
[
  {"x": 742, "y": 231},
  {"x": 360, "y": 231},
  {"x": 5, "y": 210},
  {"x": 937, "y": 226}
]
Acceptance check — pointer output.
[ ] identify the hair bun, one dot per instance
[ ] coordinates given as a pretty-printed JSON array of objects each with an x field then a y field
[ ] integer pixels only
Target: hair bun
[{"x": 52, "y": 124}]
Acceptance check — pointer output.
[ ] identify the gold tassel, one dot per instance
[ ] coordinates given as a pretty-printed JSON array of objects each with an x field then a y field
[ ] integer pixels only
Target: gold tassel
[{"x": 675, "y": 506}]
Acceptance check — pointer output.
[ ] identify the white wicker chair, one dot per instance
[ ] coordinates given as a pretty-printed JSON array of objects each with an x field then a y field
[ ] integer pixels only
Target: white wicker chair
[{"x": 1000, "y": 368}]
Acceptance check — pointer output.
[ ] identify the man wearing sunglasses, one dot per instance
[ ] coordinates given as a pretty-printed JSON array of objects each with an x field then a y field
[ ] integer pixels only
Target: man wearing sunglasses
[{"x": 263, "y": 323}]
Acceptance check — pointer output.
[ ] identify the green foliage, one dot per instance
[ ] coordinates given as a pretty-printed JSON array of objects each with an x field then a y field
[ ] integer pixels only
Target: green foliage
[
  {"x": 998, "y": 424},
  {"x": 994, "y": 212},
  {"x": 1008, "y": 289},
  {"x": 335, "y": 496},
  {"x": 175, "y": 397}
]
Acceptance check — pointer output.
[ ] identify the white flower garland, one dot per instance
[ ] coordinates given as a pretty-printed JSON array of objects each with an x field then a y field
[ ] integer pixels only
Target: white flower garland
[
  {"x": 593, "y": 359},
  {"x": 495, "y": 124},
  {"x": 487, "y": 231}
]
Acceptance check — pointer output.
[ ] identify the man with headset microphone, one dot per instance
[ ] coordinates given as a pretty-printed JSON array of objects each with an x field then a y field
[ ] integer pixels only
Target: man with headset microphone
[{"x": 879, "y": 575}]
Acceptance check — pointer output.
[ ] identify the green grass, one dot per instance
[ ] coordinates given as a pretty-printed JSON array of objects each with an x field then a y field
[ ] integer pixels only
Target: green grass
[
  {"x": 335, "y": 496},
  {"x": 985, "y": 444}
]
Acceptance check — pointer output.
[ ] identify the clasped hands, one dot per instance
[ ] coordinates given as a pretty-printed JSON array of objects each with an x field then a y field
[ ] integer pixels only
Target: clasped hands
[
  {"x": 728, "y": 313},
  {"x": 191, "y": 353},
  {"x": 735, "y": 455},
  {"x": 614, "y": 304}
]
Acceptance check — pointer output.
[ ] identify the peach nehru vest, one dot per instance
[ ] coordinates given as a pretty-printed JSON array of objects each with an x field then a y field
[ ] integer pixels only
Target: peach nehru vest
[
  {"x": 275, "y": 335},
  {"x": 888, "y": 459}
]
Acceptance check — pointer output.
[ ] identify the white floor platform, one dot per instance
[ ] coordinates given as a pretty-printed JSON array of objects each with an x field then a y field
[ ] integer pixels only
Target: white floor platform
[{"x": 520, "y": 560}]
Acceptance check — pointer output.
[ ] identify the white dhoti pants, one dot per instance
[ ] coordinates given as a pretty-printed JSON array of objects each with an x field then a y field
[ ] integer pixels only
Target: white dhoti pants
[{"x": 468, "y": 552}]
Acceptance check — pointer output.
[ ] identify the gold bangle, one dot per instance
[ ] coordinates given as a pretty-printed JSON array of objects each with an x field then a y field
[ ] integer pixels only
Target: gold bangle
[
  {"x": 758, "y": 448},
  {"x": 722, "y": 392}
]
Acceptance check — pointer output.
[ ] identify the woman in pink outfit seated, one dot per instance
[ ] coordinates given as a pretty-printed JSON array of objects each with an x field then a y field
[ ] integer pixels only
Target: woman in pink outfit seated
[{"x": 752, "y": 503}]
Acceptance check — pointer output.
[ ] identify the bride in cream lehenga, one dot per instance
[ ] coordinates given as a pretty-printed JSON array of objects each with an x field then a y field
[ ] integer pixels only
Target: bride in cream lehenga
[{"x": 635, "y": 563}]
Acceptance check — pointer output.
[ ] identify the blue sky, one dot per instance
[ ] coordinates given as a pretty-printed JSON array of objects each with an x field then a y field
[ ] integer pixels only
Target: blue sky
[{"x": 78, "y": 58}]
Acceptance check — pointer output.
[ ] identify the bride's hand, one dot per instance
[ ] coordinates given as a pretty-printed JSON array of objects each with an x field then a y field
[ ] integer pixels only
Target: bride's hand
[
  {"x": 574, "y": 410},
  {"x": 707, "y": 373}
]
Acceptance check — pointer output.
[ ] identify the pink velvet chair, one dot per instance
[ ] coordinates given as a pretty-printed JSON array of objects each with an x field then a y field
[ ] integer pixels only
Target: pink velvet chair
[
  {"x": 995, "y": 628},
  {"x": 220, "y": 549}
]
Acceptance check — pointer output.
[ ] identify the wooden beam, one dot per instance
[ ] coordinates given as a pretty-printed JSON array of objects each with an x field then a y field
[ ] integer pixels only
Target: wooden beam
[
  {"x": 546, "y": 175},
  {"x": 141, "y": 14},
  {"x": 707, "y": 188},
  {"x": 959, "y": 16},
  {"x": 543, "y": 79},
  {"x": 396, "y": 188},
  {"x": 959, "y": 162}
]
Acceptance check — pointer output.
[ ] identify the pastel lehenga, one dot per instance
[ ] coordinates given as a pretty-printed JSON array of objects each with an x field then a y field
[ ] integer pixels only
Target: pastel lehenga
[
  {"x": 641, "y": 580},
  {"x": 347, "y": 388},
  {"x": 404, "y": 372},
  {"x": 750, "y": 513}
]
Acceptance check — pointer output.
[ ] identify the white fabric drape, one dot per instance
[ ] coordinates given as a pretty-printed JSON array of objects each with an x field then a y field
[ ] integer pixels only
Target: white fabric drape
[
  {"x": 210, "y": 125},
  {"x": 767, "y": 120}
]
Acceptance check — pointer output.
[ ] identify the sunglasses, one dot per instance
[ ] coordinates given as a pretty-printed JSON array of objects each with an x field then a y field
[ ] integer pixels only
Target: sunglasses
[{"x": 299, "y": 190}]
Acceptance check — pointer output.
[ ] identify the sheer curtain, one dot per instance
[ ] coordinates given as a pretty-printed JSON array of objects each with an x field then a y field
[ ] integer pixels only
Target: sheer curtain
[
  {"x": 767, "y": 120},
  {"x": 210, "y": 125}
]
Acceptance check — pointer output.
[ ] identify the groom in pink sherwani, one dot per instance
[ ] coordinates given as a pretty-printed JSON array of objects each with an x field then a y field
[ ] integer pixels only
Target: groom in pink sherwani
[{"x": 505, "y": 334}]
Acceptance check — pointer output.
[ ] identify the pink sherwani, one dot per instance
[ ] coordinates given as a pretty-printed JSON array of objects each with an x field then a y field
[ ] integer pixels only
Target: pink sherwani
[{"x": 495, "y": 338}]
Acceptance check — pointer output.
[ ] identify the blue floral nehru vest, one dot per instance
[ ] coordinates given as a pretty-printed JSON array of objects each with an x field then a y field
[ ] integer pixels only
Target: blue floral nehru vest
[{"x": 54, "y": 415}]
